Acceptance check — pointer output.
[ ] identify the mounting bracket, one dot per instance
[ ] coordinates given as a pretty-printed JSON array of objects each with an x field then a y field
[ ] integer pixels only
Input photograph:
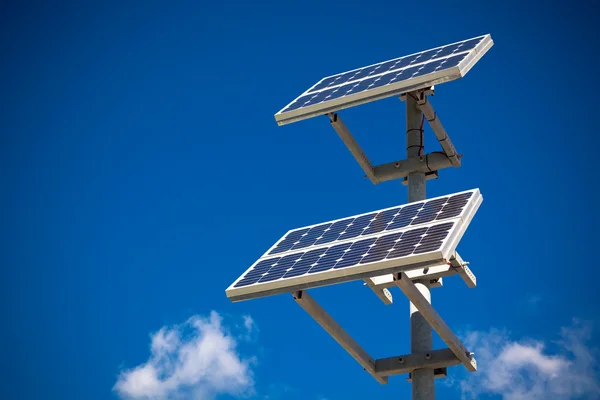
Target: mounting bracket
[
  {"x": 456, "y": 266},
  {"x": 408, "y": 362},
  {"x": 430, "y": 91},
  {"x": 437, "y": 373},
  {"x": 383, "y": 293},
  {"x": 428, "y": 176},
  {"x": 429, "y": 164}
]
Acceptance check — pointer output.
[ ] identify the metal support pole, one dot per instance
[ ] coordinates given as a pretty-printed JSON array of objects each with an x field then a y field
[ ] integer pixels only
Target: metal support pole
[{"x": 421, "y": 339}]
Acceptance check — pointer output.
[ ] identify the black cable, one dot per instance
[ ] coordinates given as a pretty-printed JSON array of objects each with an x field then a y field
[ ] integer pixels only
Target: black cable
[{"x": 422, "y": 149}]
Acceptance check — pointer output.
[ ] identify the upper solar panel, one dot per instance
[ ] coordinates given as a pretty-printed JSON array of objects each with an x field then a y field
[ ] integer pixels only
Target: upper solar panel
[
  {"x": 389, "y": 240},
  {"x": 385, "y": 79}
]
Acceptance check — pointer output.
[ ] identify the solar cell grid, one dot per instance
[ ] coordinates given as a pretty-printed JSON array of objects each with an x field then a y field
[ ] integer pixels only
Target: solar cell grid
[
  {"x": 396, "y": 64},
  {"x": 374, "y": 82},
  {"x": 386, "y": 78},
  {"x": 363, "y": 251},
  {"x": 368, "y": 224}
]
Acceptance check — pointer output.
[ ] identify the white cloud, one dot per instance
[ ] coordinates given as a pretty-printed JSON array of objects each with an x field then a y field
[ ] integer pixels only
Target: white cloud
[
  {"x": 249, "y": 323},
  {"x": 526, "y": 369},
  {"x": 251, "y": 329},
  {"x": 195, "y": 360}
]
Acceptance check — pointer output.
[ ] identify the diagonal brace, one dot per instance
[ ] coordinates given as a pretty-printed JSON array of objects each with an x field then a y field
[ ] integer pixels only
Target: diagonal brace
[
  {"x": 352, "y": 145},
  {"x": 437, "y": 127},
  {"x": 436, "y": 322},
  {"x": 338, "y": 333}
]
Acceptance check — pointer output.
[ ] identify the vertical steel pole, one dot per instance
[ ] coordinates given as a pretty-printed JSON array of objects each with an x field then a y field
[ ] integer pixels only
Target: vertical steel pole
[{"x": 421, "y": 340}]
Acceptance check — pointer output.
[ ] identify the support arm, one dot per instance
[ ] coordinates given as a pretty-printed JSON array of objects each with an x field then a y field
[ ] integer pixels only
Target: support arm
[
  {"x": 340, "y": 335},
  {"x": 344, "y": 134}
]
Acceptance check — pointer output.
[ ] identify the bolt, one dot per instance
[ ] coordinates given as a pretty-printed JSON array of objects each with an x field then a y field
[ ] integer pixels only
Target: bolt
[
  {"x": 427, "y": 356},
  {"x": 401, "y": 360}
]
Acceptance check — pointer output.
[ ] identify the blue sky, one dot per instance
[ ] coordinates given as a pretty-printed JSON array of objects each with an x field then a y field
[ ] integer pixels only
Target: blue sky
[{"x": 142, "y": 172}]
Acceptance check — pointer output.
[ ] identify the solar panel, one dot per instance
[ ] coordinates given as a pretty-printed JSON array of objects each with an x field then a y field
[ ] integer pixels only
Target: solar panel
[
  {"x": 384, "y": 241},
  {"x": 385, "y": 79}
]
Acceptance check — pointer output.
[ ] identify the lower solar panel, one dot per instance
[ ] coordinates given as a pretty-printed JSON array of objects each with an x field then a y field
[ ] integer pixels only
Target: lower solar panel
[{"x": 381, "y": 253}]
